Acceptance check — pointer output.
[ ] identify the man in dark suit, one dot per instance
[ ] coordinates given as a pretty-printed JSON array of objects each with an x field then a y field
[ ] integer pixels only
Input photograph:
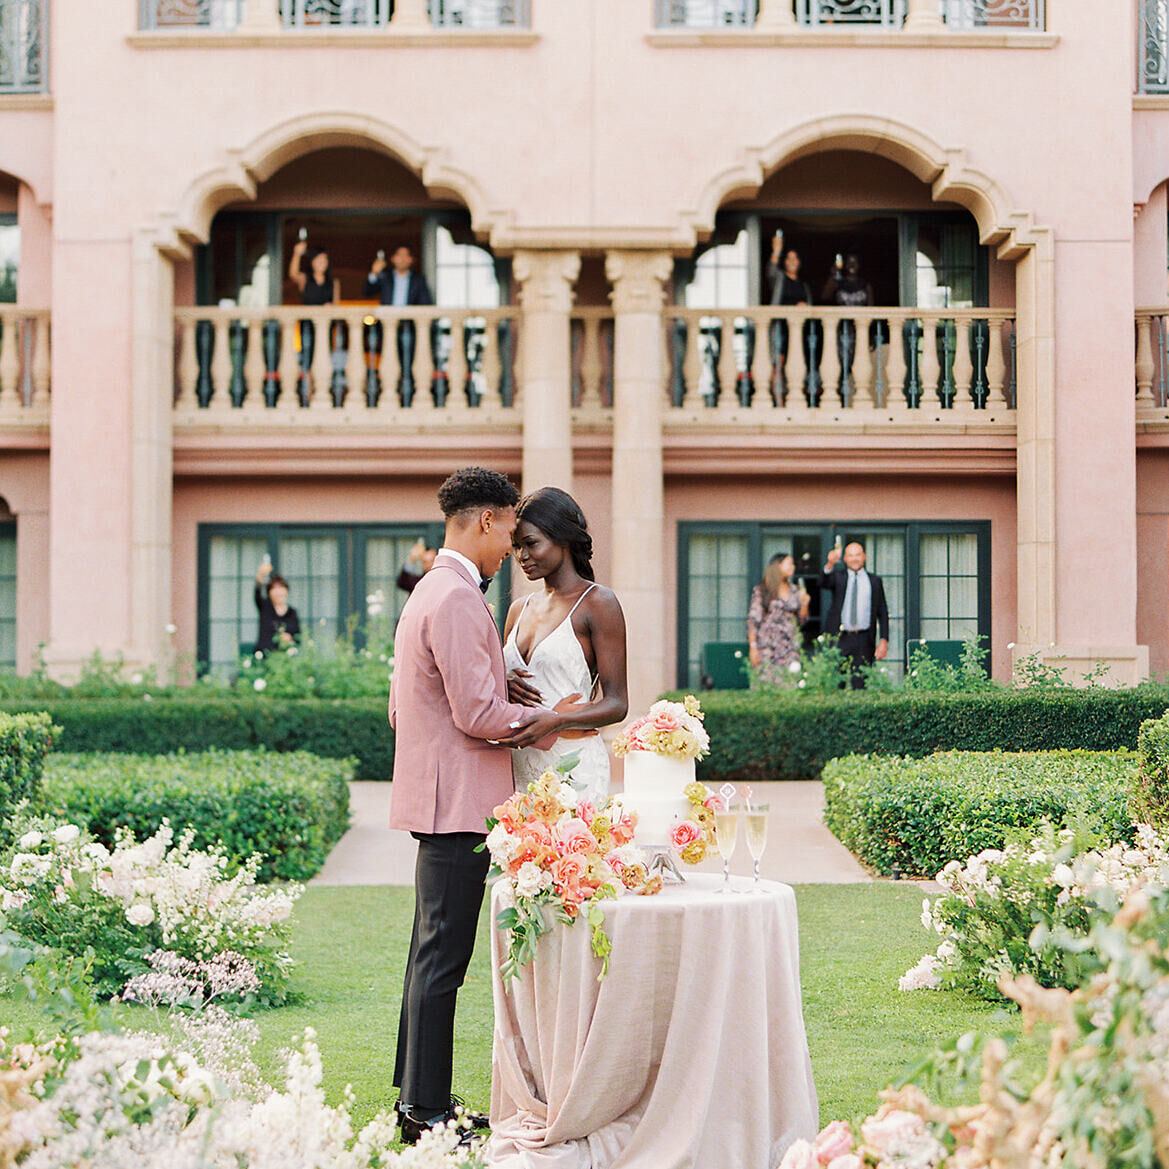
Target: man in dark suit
[
  {"x": 399, "y": 286},
  {"x": 858, "y": 613}
]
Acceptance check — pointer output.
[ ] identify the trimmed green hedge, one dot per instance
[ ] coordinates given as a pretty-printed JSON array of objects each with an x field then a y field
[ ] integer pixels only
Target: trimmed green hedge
[
  {"x": 758, "y": 736},
  {"x": 918, "y": 814},
  {"x": 25, "y": 740},
  {"x": 290, "y": 808},
  {"x": 334, "y": 729},
  {"x": 1150, "y": 797}
]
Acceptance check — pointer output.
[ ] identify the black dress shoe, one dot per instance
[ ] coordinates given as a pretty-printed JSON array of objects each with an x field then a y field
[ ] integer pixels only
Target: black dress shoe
[
  {"x": 477, "y": 1119},
  {"x": 412, "y": 1129}
]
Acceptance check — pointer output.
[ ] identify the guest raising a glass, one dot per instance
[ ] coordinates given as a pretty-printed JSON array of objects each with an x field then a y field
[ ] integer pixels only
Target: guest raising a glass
[{"x": 779, "y": 605}]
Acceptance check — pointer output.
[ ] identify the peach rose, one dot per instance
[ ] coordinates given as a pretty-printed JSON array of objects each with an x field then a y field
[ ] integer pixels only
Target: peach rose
[
  {"x": 799, "y": 1155},
  {"x": 568, "y": 871},
  {"x": 573, "y": 836},
  {"x": 684, "y": 833},
  {"x": 833, "y": 1142}
]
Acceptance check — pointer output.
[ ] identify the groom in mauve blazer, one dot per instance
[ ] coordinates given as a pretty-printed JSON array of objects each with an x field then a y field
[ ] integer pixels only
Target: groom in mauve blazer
[{"x": 448, "y": 707}]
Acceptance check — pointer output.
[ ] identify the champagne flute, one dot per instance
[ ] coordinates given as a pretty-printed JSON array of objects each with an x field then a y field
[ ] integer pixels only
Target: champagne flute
[
  {"x": 726, "y": 829},
  {"x": 756, "y": 818}
]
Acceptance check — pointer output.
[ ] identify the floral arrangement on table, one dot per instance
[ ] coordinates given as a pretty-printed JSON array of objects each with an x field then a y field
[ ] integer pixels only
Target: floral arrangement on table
[
  {"x": 1001, "y": 909},
  {"x": 189, "y": 1096},
  {"x": 694, "y": 837},
  {"x": 559, "y": 852},
  {"x": 669, "y": 728},
  {"x": 61, "y": 889},
  {"x": 1102, "y": 1102}
]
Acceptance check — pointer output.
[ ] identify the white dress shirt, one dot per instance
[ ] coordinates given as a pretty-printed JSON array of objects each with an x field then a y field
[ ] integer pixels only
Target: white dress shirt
[
  {"x": 860, "y": 591},
  {"x": 473, "y": 569}
]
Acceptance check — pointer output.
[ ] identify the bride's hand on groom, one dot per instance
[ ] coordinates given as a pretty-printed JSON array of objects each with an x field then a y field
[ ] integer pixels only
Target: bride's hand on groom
[{"x": 520, "y": 692}]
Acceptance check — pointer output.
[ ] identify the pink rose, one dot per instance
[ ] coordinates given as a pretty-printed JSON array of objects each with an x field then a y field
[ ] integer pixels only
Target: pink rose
[
  {"x": 615, "y": 863},
  {"x": 684, "y": 832},
  {"x": 799, "y": 1155},
  {"x": 568, "y": 871},
  {"x": 713, "y": 803},
  {"x": 573, "y": 836},
  {"x": 833, "y": 1142},
  {"x": 847, "y": 1161},
  {"x": 891, "y": 1126},
  {"x": 664, "y": 722},
  {"x": 587, "y": 811}
]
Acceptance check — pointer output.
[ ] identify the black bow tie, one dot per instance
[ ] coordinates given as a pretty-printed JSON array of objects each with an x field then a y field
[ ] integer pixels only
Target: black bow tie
[{"x": 484, "y": 585}]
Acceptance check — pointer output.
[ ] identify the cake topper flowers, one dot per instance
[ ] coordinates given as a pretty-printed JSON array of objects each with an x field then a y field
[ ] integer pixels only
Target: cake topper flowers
[{"x": 673, "y": 729}]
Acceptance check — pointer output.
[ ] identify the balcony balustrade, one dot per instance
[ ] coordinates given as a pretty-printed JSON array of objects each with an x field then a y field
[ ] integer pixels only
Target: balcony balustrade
[
  {"x": 24, "y": 46},
  {"x": 226, "y": 15},
  {"x": 888, "y": 14},
  {"x": 334, "y": 366},
  {"x": 1152, "y": 367},
  {"x": 819, "y": 365},
  {"x": 1153, "y": 46},
  {"x": 24, "y": 367}
]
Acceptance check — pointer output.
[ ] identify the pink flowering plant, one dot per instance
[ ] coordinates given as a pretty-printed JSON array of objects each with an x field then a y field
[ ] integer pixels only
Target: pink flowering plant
[
  {"x": 1001, "y": 909},
  {"x": 558, "y": 853},
  {"x": 673, "y": 729},
  {"x": 65, "y": 891}
]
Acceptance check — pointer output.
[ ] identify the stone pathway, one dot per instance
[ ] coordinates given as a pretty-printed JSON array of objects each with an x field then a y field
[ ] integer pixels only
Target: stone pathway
[{"x": 800, "y": 850}]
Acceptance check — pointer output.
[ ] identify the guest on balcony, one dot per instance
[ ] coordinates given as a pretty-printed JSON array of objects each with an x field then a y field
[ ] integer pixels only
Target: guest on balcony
[
  {"x": 847, "y": 287},
  {"x": 787, "y": 289},
  {"x": 313, "y": 277},
  {"x": 279, "y": 623},
  {"x": 399, "y": 286}
]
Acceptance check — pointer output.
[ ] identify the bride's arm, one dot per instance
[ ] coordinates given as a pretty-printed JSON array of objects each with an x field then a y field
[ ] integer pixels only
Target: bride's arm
[{"x": 606, "y": 628}]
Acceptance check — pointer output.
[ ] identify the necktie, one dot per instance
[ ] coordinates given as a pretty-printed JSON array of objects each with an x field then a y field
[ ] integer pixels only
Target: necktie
[
  {"x": 853, "y": 609},
  {"x": 484, "y": 585}
]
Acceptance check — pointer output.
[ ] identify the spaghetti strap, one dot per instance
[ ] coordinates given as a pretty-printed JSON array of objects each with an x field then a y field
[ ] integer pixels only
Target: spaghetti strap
[{"x": 581, "y": 598}]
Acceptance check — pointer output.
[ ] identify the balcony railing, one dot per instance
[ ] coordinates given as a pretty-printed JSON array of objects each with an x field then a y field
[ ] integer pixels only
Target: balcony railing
[
  {"x": 24, "y": 46},
  {"x": 1153, "y": 46},
  {"x": 225, "y": 15},
  {"x": 956, "y": 14},
  {"x": 816, "y": 361},
  {"x": 24, "y": 366},
  {"x": 280, "y": 363}
]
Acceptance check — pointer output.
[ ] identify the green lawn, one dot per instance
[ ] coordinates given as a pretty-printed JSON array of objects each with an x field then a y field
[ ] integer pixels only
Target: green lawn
[{"x": 855, "y": 940}]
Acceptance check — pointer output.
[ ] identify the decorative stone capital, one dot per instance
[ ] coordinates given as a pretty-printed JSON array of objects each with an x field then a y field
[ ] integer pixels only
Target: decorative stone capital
[
  {"x": 923, "y": 16},
  {"x": 546, "y": 279},
  {"x": 638, "y": 280}
]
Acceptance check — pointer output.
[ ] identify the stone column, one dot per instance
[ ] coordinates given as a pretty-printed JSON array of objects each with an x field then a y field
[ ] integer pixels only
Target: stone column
[
  {"x": 774, "y": 15},
  {"x": 110, "y": 482},
  {"x": 923, "y": 16},
  {"x": 546, "y": 279},
  {"x": 638, "y": 280}
]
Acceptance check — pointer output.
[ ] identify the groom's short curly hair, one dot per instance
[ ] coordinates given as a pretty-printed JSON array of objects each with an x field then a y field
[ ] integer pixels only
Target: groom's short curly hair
[{"x": 475, "y": 487}]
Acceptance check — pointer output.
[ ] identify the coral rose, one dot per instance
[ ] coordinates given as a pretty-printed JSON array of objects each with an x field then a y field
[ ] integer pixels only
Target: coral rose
[{"x": 684, "y": 833}]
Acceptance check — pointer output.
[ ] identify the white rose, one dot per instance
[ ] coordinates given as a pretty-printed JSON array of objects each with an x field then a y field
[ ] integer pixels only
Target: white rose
[
  {"x": 30, "y": 840},
  {"x": 794, "y": 666},
  {"x": 136, "y": 679},
  {"x": 66, "y": 834},
  {"x": 259, "y": 684},
  {"x": 529, "y": 880},
  {"x": 501, "y": 844},
  {"x": 140, "y": 914}
]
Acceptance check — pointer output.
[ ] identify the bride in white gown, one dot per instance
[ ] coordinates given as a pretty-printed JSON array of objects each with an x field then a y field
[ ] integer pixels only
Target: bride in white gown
[{"x": 566, "y": 642}]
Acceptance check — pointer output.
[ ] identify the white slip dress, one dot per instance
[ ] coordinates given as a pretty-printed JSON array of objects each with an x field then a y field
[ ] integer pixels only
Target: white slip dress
[{"x": 558, "y": 668}]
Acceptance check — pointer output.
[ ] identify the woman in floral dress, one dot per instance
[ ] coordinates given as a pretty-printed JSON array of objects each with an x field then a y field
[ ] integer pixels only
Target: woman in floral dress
[{"x": 777, "y": 604}]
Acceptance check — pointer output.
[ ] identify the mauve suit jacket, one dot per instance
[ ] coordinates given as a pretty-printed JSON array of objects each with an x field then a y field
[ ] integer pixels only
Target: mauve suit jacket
[{"x": 447, "y": 696}]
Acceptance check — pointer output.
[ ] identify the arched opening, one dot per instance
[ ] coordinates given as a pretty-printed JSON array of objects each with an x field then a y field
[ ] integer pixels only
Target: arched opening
[{"x": 9, "y": 238}]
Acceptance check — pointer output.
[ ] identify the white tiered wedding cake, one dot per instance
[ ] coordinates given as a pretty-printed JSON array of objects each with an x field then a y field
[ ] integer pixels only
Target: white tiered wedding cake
[{"x": 659, "y": 750}]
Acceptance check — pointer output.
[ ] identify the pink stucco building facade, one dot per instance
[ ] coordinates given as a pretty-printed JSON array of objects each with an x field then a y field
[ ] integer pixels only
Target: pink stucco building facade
[{"x": 592, "y": 190}]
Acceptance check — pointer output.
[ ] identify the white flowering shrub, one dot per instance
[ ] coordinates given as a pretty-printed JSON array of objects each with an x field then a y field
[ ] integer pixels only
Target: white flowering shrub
[
  {"x": 63, "y": 890},
  {"x": 139, "y": 1101},
  {"x": 1003, "y": 909},
  {"x": 1103, "y": 1102}
]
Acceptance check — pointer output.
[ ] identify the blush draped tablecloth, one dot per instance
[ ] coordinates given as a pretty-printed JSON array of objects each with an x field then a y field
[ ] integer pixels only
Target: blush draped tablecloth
[{"x": 691, "y": 1054}]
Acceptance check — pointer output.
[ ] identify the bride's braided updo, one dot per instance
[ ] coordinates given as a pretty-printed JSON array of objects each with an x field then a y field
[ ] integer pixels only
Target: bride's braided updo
[{"x": 559, "y": 517}]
